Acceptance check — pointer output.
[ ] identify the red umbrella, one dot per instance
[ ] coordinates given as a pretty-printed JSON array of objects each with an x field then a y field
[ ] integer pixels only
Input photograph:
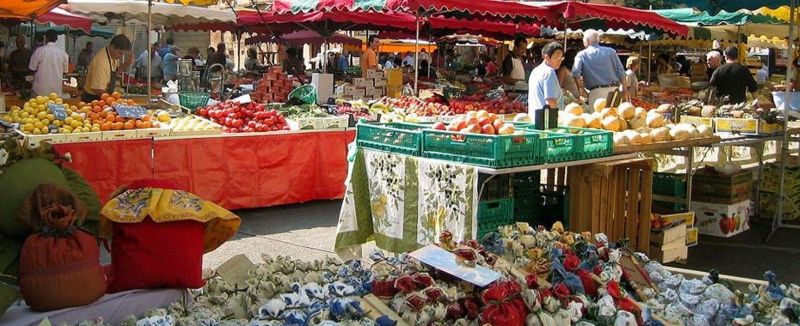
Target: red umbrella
[
  {"x": 580, "y": 15},
  {"x": 60, "y": 16}
]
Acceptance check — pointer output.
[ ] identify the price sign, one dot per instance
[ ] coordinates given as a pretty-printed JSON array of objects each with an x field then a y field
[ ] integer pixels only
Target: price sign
[
  {"x": 58, "y": 110},
  {"x": 130, "y": 111}
]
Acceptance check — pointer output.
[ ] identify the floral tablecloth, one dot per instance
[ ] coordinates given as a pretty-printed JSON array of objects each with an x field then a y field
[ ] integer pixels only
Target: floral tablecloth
[{"x": 404, "y": 202}]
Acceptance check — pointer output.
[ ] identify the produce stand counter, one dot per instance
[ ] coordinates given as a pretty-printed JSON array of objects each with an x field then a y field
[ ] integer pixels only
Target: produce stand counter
[
  {"x": 404, "y": 202},
  {"x": 237, "y": 171},
  {"x": 756, "y": 142}
]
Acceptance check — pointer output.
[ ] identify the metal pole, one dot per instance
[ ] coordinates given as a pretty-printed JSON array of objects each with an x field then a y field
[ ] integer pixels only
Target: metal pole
[
  {"x": 777, "y": 220},
  {"x": 149, "y": 54},
  {"x": 565, "y": 35},
  {"x": 649, "y": 61},
  {"x": 416, "y": 56}
]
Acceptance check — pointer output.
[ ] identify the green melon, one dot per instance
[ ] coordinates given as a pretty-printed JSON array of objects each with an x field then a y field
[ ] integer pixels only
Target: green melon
[{"x": 17, "y": 182}]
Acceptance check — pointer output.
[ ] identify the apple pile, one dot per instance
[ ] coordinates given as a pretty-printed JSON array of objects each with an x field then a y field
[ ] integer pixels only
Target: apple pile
[
  {"x": 251, "y": 117},
  {"x": 496, "y": 106},
  {"x": 480, "y": 122}
]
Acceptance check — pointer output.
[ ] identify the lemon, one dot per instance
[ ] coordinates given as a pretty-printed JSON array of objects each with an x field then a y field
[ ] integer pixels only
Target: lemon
[
  {"x": 96, "y": 125},
  {"x": 53, "y": 96},
  {"x": 86, "y": 129},
  {"x": 75, "y": 108},
  {"x": 76, "y": 124},
  {"x": 38, "y": 125},
  {"x": 27, "y": 127},
  {"x": 41, "y": 108},
  {"x": 163, "y": 117},
  {"x": 68, "y": 120},
  {"x": 69, "y": 112},
  {"x": 46, "y": 122},
  {"x": 37, "y": 132},
  {"x": 41, "y": 100},
  {"x": 95, "y": 128},
  {"x": 41, "y": 115},
  {"x": 50, "y": 117},
  {"x": 27, "y": 109},
  {"x": 59, "y": 100},
  {"x": 7, "y": 118},
  {"x": 25, "y": 115}
]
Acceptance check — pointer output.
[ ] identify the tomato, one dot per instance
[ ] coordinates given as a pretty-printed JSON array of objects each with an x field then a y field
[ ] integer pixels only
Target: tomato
[{"x": 203, "y": 112}]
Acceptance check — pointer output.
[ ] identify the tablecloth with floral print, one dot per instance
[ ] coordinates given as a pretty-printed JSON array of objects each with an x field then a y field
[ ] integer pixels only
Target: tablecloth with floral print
[{"x": 404, "y": 202}]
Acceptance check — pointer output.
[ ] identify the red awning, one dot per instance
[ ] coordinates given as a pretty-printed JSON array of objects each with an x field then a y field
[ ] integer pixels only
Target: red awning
[
  {"x": 573, "y": 14},
  {"x": 62, "y": 17},
  {"x": 479, "y": 9},
  {"x": 25, "y": 10},
  {"x": 454, "y": 26},
  {"x": 304, "y": 37},
  {"x": 306, "y": 6}
]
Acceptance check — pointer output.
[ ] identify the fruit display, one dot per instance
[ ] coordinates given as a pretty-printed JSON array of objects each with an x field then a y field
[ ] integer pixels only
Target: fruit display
[
  {"x": 632, "y": 125},
  {"x": 250, "y": 117},
  {"x": 480, "y": 122},
  {"x": 303, "y": 111},
  {"x": 507, "y": 105},
  {"x": 193, "y": 125},
  {"x": 274, "y": 86},
  {"x": 36, "y": 117},
  {"x": 357, "y": 109},
  {"x": 416, "y": 106}
]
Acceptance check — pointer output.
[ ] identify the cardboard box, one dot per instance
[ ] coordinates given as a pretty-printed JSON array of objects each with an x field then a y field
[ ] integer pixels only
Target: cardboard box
[
  {"x": 686, "y": 217},
  {"x": 698, "y": 120},
  {"x": 375, "y": 74},
  {"x": 358, "y": 92},
  {"x": 679, "y": 253},
  {"x": 722, "y": 189},
  {"x": 692, "y": 236},
  {"x": 672, "y": 236},
  {"x": 746, "y": 126},
  {"x": 363, "y": 82},
  {"x": 722, "y": 220}
]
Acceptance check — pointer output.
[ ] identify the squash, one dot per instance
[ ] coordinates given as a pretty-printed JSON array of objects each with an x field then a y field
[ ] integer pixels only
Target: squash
[
  {"x": 660, "y": 134},
  {"x": 574, "y": 108},
  {"x": 622, "y": 124},
  {"x": 633, "y": 137},
  {"x": 705, "y": 131},
  {"x": 611, "y": 123},
  {"x": 647, "y": 138},
  {"x": 679, "y": 134},
  {"x": 626, "y": 110},
  {"x": 592, "y": 121},
  {"x": 599, "y": 104},
  {"x": 608, "y": 112},
  {"x": 621, "y": 139},
  {"x": 637, "y": 122},
  {"x": 640, "y": 112},
  {"x": 574, "y": 121},
  {"x": 654, "y": 120}
]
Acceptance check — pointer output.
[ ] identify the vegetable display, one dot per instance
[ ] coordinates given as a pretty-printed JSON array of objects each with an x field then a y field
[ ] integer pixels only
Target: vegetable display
[{"x": 251, "y": 117}]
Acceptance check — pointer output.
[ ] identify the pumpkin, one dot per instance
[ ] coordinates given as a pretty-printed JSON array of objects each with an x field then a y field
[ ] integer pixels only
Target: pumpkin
[
  {"x": 626, "y": 110},
  {"x": 574, "y": 108},
  {"x": 599, "y": 104},
  {"x": 611, "y": 123},
  {"x": 654, "y": 120}
]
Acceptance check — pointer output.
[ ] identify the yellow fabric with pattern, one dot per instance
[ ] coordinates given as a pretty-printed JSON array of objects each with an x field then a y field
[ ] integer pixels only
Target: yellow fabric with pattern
[{"x": 166, "y": 205}]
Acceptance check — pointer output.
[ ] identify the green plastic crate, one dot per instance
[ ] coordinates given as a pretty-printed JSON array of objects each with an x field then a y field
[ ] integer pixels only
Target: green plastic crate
[
  {"x": 555, "y": 146},
  {"x": 544, "y": 206},
  {"x": 396, "y": 137},
  {"x": 592, "y": 143},
  {"x": 497, "y": 151},
  {"x": 526, "y": 181},
  {"x": 498, "y": 187},
  {"x": 494, "y": 213},
  {"x": 193, "y": 100},
  {"x": 669, "y": 184}
]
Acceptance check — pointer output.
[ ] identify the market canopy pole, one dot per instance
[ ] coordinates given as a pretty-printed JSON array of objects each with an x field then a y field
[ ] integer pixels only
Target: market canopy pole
[
  {"x": 416, "y": 61},
  {"x": 149, "y": 50}
]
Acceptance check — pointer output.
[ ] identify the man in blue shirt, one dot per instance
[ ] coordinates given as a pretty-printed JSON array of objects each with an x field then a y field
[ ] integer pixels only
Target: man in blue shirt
[
  {"x": 598, "y": 69},
  {"x": 162, "y": 52},
  {"x": 170, "y": 64},
  {"x": 543, "y": 86}
]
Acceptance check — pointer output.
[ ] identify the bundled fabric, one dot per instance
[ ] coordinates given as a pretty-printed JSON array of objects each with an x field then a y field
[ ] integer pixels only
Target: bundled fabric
[
  {"x": 59, "y": 265},
  {"x": 159, "y": 235}
]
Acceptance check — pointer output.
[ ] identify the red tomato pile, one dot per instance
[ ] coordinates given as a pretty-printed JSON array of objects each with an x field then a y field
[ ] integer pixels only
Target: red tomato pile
[
  {"x": 478, "y": 102},
  {"x": 235, "y": 117}
]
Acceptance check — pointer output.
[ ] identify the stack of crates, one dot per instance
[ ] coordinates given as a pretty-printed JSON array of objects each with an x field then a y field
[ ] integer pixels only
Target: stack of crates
[
  {"x": 671, "y": 185},
  {"x": 527, "y": 198},
  {"x": 496, "y": 205}
]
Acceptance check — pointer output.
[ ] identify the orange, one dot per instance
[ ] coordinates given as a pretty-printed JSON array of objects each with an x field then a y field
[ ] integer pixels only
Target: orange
[
  {"x": 131, "y": 102},
  {"x": 147, "y": 118},
  {"x": 146, "y": 124},
  {"x": 119, "y": 119},
  {"x": 138, "y": 124},
  {"x": 104, "y": 96},
  {"x": 116, "y": 95},
  {"x": 97, "y": 109},
  {"x": 102, "y": 114},
  {"x": 81, "y": 104},
  {"x": 105, "y": 126},
  {"x": 117, "y": 126},
  {"x": 129, "y": 125},
  {"x": 95, "y": 102}
]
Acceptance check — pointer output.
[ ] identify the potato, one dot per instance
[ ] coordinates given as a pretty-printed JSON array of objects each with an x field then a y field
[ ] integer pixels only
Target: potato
[
  {"x": 626, "y": 110},
  {"x": 655, "y": 120},
  {"x": 574, "y": 108},
  {"x": 611, "y": 123},
  {"x": 599, "y": 104}
]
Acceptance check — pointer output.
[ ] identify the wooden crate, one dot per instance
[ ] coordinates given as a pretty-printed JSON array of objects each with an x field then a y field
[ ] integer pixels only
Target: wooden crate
[{"x": 613, "y": 198}]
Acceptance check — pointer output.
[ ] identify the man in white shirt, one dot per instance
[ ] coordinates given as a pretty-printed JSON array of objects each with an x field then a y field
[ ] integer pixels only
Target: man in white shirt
[{"x": 49, "y": 64}]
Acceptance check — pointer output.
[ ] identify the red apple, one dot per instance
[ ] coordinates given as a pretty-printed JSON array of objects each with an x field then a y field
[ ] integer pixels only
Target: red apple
[
  {"x": 439, "y": 126},
  {"x": 497, "y": 124},
  {"x": 487, "y": 129}
]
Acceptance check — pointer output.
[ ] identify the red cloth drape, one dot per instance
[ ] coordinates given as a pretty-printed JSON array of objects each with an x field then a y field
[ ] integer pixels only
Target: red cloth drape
[
  {"x": 257, "y": 171},
  {"x": 235, "y": 172},
  {"x": 108, "y": 164}
]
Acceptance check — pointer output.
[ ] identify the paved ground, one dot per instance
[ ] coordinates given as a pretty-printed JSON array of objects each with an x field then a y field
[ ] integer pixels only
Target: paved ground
[{"x": 308, "y": 231}]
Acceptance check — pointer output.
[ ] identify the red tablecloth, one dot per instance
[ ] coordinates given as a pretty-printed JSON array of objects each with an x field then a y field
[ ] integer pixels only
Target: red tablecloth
[
  {"x": 235, "y": 172},
  {"x": 108, "y": 164}
]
